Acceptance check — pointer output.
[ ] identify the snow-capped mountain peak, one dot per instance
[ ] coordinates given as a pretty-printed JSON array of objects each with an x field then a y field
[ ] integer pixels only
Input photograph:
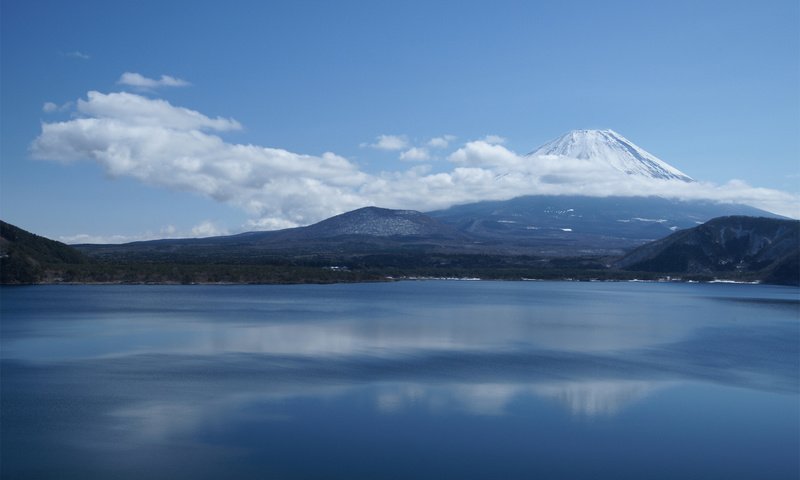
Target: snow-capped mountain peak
[{"x": 612, "y": 149}]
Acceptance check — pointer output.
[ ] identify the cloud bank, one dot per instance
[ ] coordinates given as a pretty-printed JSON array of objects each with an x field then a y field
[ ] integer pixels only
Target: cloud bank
[{"x": 182, "y": 149}]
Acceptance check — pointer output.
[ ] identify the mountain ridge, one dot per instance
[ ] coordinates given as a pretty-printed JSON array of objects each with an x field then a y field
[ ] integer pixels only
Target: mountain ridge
[
  {"x": 729, "y": 248},
  {"x": 532, "y": 225}
]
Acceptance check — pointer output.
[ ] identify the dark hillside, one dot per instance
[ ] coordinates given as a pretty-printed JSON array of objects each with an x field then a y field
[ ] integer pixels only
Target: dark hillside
[
  {"x": 736, "y": 248},
  {"x": 27, "y": 258}
]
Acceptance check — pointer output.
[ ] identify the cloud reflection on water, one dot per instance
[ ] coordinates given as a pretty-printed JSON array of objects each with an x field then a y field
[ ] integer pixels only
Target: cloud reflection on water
[
  {"x": 169, "y": 419},
  {"x": 479, "y": 329},
  {"x": 198, "y": 366},
  {"x": 588, "y": 398},
  {"x": 157, "y": 422}
]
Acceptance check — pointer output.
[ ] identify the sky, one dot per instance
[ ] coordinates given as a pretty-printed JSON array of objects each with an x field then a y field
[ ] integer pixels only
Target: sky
[{"x": 123, "y": 120}]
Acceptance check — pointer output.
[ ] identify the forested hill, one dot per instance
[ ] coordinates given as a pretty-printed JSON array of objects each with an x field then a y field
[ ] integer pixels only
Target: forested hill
[
  {"x": 28, "y": 258},
  {"x": 736, "y": 247}
]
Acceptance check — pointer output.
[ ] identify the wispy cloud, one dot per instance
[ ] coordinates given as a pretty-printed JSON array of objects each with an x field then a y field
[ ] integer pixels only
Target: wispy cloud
[
  {"x": 177, "y": 148},
  {"x": 50, "y": 107},
  {"x": 140, "y": 81},
  {"x": 206, "y": 228},
  {"x": 78, "y": 54}
]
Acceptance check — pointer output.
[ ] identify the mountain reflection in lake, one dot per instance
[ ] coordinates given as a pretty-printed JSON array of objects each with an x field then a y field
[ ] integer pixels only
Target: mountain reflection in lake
[{"x": 402, "y": 380}]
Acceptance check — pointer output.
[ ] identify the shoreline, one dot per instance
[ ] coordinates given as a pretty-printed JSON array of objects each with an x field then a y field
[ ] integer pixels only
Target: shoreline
[{"x": 414, "y": 278}]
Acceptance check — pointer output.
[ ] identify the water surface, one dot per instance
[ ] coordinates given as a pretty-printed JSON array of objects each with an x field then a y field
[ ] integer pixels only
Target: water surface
[{"x": 401, "y": 380}]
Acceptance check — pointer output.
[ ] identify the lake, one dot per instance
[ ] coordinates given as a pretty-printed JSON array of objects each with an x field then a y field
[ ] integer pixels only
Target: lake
[{"x": 431, "y": 379}]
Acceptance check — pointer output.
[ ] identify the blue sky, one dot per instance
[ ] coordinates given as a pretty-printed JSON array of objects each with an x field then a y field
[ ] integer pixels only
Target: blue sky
[{"x": 712, "y": 88}]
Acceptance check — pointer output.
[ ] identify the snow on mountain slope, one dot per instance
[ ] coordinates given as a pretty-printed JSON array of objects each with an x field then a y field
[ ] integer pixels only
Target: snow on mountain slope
[{"x": 607, "y": 147}]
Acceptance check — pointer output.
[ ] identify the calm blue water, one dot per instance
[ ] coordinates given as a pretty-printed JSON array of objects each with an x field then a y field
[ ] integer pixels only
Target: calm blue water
[{"x": 403, "y": 380}]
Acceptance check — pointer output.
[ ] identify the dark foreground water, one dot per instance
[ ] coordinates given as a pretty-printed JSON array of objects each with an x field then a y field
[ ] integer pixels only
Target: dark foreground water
[{"x": 404, "y": 380}]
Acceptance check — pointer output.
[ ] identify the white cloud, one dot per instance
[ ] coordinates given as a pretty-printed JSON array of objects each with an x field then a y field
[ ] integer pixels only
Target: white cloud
[
  {"x": 140, "y": 81},
  {"x": 136, "y": 110},
  {"x": 415, "y": 154},
  {"x": 160, "y": 144},
  {"x": 441, "y": 142},
  {"x": 180, "y": 149},
  {"x": 389, "y": 142},
  {"x": 483, "y": 154}
]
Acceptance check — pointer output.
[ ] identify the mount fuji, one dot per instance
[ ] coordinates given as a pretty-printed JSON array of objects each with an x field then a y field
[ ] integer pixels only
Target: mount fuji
[
  {"x": 609, "y": 148},
  {"x": 548, "y": 225},
  {"x": 568, "y": 224}
]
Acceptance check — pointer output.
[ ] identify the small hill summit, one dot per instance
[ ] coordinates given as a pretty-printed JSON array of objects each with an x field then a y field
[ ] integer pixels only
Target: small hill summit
[{"x": 378, "y": 222}]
